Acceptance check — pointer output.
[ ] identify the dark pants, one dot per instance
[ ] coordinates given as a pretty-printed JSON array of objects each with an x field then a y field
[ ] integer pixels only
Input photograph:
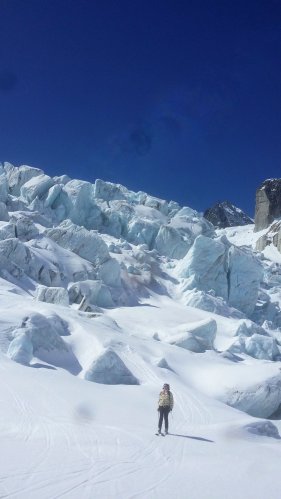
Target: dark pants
[{"x": 163, "y": 413}]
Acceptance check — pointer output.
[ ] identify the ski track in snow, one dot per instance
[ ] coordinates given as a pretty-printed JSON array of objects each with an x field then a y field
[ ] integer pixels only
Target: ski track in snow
[
  {"x": 91, "y": 457},
  {"x": 87, "y": 458}
]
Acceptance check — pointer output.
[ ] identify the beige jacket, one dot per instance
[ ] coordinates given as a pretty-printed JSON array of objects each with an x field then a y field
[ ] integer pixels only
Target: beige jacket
[{"x": 166, "y": 399}]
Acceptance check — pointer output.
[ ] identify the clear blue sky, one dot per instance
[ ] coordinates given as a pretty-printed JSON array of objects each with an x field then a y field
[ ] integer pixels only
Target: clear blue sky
[{"x": 181, "y": 99}]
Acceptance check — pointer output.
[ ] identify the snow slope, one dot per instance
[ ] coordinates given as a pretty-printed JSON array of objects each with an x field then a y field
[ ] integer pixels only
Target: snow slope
[
  {"x": 97, "y": 312},
  {"x": 64, "y": 437}
]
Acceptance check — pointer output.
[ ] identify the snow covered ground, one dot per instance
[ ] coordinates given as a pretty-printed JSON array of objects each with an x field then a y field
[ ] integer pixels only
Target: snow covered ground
[
  {"x": 62, "y": 436},
  {"x": 104, "y": 296}
]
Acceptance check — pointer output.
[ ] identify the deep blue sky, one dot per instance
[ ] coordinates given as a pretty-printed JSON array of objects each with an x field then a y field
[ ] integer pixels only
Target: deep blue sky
[{"x": 181, "y": 99}]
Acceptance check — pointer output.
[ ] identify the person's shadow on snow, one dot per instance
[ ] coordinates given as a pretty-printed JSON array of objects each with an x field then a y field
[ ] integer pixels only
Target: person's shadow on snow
[{"x": 189, "y": 436}]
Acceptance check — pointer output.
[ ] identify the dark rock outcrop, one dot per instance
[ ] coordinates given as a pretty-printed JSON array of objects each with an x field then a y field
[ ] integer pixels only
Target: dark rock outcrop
[
  {"x": 225, "y": 214},
  {"x": 268, "y": 203}
]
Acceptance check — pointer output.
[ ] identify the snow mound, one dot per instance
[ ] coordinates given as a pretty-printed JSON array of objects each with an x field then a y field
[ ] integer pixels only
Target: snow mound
[
  {"x": 19, "y": 259},
  {"x": 23, "y": 227},
  {"x": 109, "y": 273},
  {"x": 248, "y": 328},
  {"x": 261, "y": 400},
  {"x": 21, "y": 348},
  {"x": 211, "y": 303},
  {"x": 171, "y": 243},
  {"x": 164, "y": 364},
  {"x": 52, "y": 295},
  {"x": 89, "y": 294},
  {"x": 85, "y": 243},
  {"x": 257, "y": 346},
  {"x": 264, "y": 429},
  {"x": 36, "y": 187},
  {"x": 37, "y": 336},
  {"x": 198, "y": 338},
  {"x": 109, "y": 369},
  {"x": 17, "y": 177}
]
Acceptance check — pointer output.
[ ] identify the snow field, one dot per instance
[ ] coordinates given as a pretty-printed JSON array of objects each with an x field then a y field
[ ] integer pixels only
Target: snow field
[
  {"x": 105, "y": 294},
  {"x": 64, "y": 437}
]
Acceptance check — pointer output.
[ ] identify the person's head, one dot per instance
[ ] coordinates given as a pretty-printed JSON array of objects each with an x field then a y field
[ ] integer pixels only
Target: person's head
[{"x": 166, "y": 387}]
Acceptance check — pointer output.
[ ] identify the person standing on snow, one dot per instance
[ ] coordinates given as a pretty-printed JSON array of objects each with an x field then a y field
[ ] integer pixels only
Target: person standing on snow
[{"x": 165, "y": 405}]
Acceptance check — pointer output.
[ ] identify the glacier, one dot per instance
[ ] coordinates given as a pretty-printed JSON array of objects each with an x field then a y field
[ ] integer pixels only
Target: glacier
[
  {"x": 233, "y": 273},
  {"x": 105, "y": 295}
]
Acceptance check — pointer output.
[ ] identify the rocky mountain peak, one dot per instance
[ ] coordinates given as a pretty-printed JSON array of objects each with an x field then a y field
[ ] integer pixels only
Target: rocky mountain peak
[{"x": 225, "y": 214}]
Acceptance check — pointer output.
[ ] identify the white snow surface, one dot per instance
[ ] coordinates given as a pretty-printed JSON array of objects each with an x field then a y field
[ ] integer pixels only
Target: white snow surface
[{"x": 95, "y": 318}]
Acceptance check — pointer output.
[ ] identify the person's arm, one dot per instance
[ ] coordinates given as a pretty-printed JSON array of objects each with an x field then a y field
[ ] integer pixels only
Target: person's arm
[
  {"x": 171, "y": 401},
  {"x": 159, "y": 402}
]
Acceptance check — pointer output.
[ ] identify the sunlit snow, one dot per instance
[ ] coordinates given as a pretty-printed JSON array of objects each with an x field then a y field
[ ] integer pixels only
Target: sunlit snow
[{"x": 105, "y": 295}]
